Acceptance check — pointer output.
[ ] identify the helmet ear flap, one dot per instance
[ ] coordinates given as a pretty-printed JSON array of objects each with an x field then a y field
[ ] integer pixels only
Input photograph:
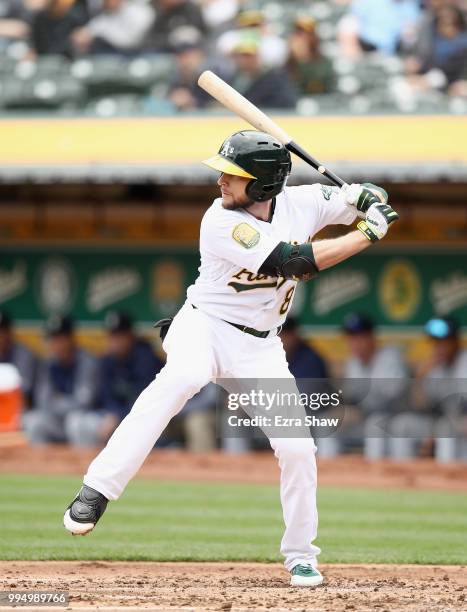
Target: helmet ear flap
[
  {"x": 258, "y": 192},
  {"x": 253, "y": 191}
]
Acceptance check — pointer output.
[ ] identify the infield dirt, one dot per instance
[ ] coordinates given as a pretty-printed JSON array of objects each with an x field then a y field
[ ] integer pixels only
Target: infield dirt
[{"x": 240, "y": 587}]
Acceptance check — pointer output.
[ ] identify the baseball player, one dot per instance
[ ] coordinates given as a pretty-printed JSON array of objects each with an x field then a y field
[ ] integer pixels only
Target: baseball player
[{"x": 256, "y": 245}]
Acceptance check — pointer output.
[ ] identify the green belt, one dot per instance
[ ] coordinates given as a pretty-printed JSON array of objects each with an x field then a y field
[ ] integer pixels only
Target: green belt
[{"x": 251, "y": 330}]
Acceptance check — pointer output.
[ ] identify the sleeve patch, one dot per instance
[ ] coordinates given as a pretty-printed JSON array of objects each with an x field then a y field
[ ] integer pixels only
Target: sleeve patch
[
  {"x": 328, "y": 191},
  {"x": 246, "y": 235}
]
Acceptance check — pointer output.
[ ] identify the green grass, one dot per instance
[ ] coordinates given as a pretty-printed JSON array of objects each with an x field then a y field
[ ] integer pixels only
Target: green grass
[{"x": 179, "y": 521}]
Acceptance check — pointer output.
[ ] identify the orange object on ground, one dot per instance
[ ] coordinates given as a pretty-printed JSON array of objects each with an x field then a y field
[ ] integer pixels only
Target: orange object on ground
[{"x": 11, "y": 400}]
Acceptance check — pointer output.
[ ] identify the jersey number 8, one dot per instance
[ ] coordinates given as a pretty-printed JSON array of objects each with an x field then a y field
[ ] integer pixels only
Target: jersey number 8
[{"x": 287, "y": 300}]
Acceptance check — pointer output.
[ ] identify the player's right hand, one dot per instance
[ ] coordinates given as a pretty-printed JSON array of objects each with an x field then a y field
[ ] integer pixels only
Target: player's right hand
[
  {"x": 377, "y": 221},
  {"x": 363, "y": 196}
]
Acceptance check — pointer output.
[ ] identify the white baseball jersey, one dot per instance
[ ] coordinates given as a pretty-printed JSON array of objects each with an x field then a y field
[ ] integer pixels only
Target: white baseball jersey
[{"x": 234, "y": 245}]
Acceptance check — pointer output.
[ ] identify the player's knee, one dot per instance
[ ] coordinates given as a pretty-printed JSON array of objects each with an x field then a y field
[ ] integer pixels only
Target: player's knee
[
  {"x": 193, "y": 381},
  {"x": 181, "y": 380},
  {"x": 187, "y": 381}
]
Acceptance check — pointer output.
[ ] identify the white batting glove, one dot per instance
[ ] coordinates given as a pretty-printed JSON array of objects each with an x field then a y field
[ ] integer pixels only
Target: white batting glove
[
  {"x": 377, "y": 221},
  {"x": 363, "y": 196}
]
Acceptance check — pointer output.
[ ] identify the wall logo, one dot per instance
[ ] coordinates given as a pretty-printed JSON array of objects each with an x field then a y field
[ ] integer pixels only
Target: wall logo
[
  {"x": 449, "y": 294},
  {"x": 13, "y": 282},
  {"x": 168, "y": 286},
  {"x": 399, "y": 290},
  {"x": 55, "y": 286},
  {"x": 338, "y": 288},
  {"x": 111, "y": 285}
]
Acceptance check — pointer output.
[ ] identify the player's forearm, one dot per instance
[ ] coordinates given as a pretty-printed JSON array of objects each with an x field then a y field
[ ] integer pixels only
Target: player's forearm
[{"x": 329, "y": 253}]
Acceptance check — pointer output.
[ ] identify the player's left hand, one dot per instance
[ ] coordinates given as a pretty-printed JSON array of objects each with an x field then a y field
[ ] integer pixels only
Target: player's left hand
[{"x": 363, "y": 196}]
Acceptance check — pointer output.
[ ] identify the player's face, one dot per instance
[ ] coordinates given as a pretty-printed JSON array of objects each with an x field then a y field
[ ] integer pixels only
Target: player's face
[
  {"x": 233, "y": 191},
  {"x": 62, "y": 347},
  {"x": 120, "y": 344},
  {"x": 362, "y": 345}
]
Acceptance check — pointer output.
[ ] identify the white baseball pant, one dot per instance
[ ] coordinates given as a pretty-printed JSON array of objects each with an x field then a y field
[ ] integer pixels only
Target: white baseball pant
[{"x": 200, "y": 349}]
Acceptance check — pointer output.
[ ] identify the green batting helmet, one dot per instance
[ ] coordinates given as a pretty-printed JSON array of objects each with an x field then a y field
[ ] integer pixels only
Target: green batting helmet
[{"x": 258, "y": 156}]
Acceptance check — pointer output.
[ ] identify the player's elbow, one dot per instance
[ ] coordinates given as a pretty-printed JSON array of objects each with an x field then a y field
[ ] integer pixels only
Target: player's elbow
[{"x": 293, "y": 262}]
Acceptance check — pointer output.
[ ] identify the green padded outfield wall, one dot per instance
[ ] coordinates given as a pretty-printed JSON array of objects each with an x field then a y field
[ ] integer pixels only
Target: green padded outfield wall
[{"x": 400, "y": 287}]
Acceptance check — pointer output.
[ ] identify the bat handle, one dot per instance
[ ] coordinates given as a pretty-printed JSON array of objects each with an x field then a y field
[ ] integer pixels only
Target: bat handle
[{"x": 293, "y": 147}]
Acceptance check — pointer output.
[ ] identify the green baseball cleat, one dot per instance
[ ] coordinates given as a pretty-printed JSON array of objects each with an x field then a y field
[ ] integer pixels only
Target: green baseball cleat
[{"x": 305, "y": 575}]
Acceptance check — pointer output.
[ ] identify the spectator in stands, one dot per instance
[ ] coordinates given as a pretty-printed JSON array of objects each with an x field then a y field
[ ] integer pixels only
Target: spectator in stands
[
  {"x": 265, "y": 87},
  {"x": 18, "y": 355},
  {"x": 128, "y": 367},
  {"x": 52, "y": 27},
  {"x": 378, "y": 25},
  {"x": 369, "y": 406},
  {"x": 442, "y": 50},
  {"x": 119, "y": 29},
  {"x": 15, "y": 19},
  {"x": 441, "y": 400},
  {"x": 93, "y": 7},
  {"x": 217, "y": 13},
  {"x": 458, "y": 89},
  {"x": 253, "y": 25},
  {"x": 304, "y": 361},
  {"x": 449, "y": 362},
  {"x": 173, "y": 15},
  {"x": 426, "y": 26},
  {"x": 312, "y": 72},
  {"x": 67, "y": 385},
  {"x": 191, "y": 61}
]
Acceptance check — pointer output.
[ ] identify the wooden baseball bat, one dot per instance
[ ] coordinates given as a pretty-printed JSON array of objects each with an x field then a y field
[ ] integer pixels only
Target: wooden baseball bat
[{"x": 238, "y": 104}]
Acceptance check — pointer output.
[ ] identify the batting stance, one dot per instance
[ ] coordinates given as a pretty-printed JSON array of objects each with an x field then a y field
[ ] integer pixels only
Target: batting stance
[{"x": 255, "y": 244}]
